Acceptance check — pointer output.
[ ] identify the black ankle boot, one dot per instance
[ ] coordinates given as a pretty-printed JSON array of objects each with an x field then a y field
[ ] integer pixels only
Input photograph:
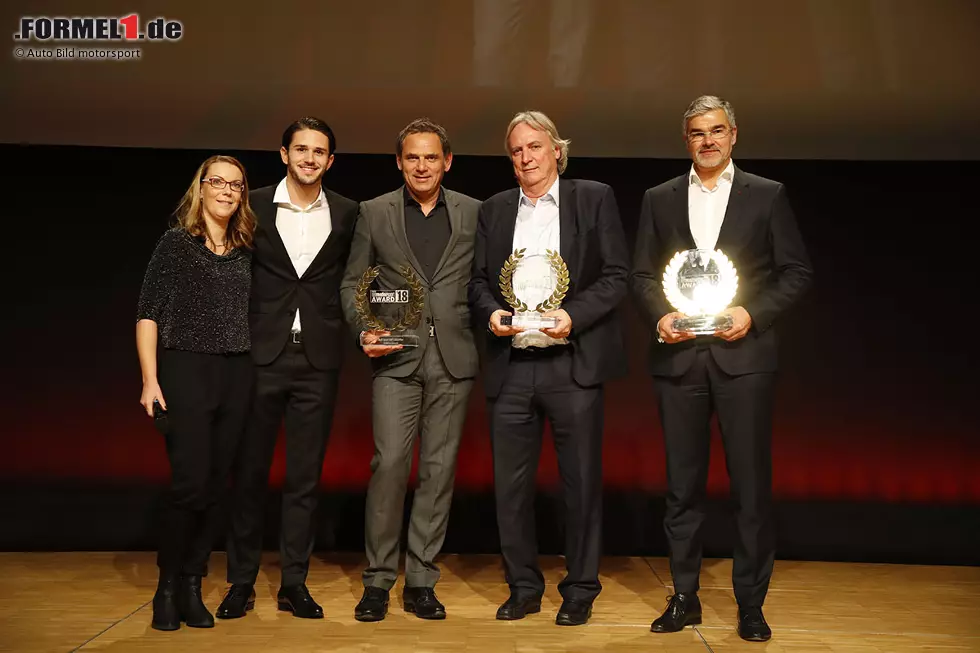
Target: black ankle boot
[
  {"x": 191, "y": 606},
  {"x": 165, "y": 613}
]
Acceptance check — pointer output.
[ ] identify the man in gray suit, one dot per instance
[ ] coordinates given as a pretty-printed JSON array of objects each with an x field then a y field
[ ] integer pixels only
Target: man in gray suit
[{"x": 422, "y": 389}]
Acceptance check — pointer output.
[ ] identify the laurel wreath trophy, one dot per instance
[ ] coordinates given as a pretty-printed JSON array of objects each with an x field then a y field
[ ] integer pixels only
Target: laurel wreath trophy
[
  {"x": 539, "y": 280},
  {"x": 413, "y": 296},
  {"x": 700, "y": 283}
]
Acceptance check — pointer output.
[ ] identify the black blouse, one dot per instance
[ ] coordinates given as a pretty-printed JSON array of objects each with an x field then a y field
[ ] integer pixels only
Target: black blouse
[{"x": 198, "y": 299}]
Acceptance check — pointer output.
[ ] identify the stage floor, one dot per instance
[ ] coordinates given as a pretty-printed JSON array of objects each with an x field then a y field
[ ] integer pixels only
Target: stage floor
[{"x": 101, "y": 602}]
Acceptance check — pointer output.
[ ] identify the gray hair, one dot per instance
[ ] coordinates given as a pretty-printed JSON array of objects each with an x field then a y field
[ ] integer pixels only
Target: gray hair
[
  {"x": 539, "y": 121},
  {"x": 703, "y": 105}
]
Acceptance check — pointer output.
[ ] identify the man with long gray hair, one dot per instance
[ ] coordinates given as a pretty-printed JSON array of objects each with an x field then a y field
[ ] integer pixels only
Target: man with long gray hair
[
  {"x": 555, "y": 372},
  {"x": 717, "y": 206}
]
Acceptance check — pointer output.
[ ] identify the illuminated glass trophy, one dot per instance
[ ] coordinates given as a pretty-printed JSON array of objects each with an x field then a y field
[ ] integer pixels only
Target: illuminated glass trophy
[
  {"x": 700, "y": 283},
  {"x": 412, "y": 296},
  {"x": 538, "y": 280}
]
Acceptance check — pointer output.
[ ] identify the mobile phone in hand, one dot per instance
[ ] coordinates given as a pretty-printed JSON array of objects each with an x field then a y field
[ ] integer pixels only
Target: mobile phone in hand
[{"x": 160, "y": 418}]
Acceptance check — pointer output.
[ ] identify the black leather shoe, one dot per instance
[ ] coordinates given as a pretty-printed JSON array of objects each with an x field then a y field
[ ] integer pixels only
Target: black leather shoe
[
  {"x": 573, "y": 613},
  {"x": 682, "y": 610},
  {"x": 752, "y": 625},
  {"x": 297, "y": 599},
  {"x": 517, "y": 607},
  {"x": 191, "y": 606},
  {"x": 239, "y": 599},
  {"x": 423, "y": 603},
  {"x": 165, "y": 613},
  {"x": 373, "y": 605}
]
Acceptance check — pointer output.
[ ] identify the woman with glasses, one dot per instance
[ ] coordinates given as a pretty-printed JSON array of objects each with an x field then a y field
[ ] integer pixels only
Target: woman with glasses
[{"x": 193, "y": 313}]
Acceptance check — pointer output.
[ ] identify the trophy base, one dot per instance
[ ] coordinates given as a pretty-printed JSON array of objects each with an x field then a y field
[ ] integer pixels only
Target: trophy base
[
  {"x": 405, "y": 340},
  {"x": 531, "y": 321},
  {"x": 703, "y": 324}
]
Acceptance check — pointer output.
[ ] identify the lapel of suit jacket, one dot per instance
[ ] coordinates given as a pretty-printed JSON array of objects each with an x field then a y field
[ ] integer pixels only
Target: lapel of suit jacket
[
  {"x": 504, "y": 224},
  {"x": 568, "y": 227},
  {"x": 735, "y": 210},
  {"x": 267, "y": 222},
  {"x": 337, "y": 228},
  {"x": 396, "y": 220},
  {"x": 682, "y": 211},
  {"x": 455, "y": 223}
]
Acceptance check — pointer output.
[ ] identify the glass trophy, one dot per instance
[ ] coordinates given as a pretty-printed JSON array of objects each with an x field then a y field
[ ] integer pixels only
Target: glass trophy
[
  {"x": 700, "y": 283},
  {"x": 536, "y": 280},
  {"x": 390, "y": 302}
]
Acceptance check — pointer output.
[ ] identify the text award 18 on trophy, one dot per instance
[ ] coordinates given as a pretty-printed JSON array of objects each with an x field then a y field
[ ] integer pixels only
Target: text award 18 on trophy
[
  {"x": 412, "y": 296},
  {"x": 538, "y": 280},
  {"x": 700, "y": 283}
]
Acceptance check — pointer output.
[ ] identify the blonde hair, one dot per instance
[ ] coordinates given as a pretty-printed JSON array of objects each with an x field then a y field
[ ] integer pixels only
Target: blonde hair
[
  {"x": 189, "y": 215},
  {"x": 539, "y": 121}
]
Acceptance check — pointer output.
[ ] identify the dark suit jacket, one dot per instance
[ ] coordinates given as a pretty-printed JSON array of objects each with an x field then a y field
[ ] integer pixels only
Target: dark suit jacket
[
  {"x": 277, "y": 291},
  {"x": 380, "y": 239},
  {"x": 760, "y": 237},
  {"x": 593, "y": 246}
]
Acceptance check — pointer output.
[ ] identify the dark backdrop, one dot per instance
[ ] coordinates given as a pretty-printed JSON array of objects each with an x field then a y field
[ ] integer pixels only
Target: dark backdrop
[{"x": 875, "y": 447}]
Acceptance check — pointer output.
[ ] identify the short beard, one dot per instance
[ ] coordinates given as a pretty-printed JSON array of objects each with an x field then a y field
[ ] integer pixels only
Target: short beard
[
  {"x": 301, "y": 182},
  {"x": 701, "y": 162}
]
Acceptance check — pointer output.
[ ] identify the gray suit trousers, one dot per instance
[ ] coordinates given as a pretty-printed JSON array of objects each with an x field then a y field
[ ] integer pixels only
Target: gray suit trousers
[{"x": 432, "y": 404}]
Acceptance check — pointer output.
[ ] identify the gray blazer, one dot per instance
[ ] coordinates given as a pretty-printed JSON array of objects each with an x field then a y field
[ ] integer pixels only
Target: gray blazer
[{"x": 380, "y": 239}]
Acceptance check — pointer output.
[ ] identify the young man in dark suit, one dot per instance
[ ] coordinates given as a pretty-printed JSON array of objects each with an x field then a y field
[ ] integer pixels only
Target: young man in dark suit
[
  {"x": 717, "y": 206},
  {"x": 555, "y": 373},
  {"x": 297, "y": 334}
]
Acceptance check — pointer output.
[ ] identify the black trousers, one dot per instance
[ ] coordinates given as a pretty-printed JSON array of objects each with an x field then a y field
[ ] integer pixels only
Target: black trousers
[
  {"x": 540, "y": 386},
  {"x": 744, "y": 408},
  {"x": 207, "y": 402},
  {"x": 291, "y": 388}
]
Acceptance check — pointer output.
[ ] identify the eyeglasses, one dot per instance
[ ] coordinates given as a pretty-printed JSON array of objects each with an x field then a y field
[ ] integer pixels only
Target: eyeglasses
[
  {"x": 218, "y": 183},
  {"x": 716, "y": 134}
]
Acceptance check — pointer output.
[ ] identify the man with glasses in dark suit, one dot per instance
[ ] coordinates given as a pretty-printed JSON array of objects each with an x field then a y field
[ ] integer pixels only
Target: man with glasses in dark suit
[{"x": 717, "y": 206}]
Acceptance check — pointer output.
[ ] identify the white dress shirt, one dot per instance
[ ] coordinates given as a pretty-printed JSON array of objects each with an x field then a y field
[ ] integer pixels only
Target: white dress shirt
[
  {"x": 303, "y": 230},
  {"x": 537, "y": 229},
  {"x": 706, "y": 207}
]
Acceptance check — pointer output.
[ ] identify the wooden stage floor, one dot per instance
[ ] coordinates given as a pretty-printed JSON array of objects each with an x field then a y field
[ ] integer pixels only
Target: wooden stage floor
[{"x": 100, "y": 602}]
